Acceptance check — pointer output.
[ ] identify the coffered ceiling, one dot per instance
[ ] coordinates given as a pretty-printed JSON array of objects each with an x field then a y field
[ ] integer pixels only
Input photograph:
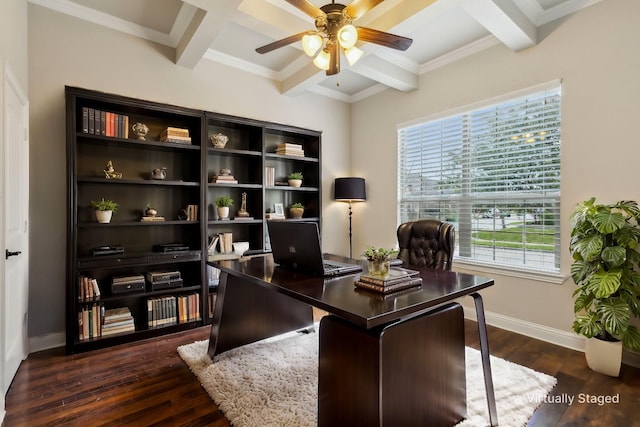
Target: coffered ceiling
[{"x": 229, "y": 31}]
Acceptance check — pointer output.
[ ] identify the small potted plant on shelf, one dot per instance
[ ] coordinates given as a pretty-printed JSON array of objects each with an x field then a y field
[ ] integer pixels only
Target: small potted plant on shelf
[
  {"x": 295, "y": 179},
  {"x": 379, "y": 260},
  {"x": 296, "y": 210},
  {"x": 104, "y": 210},
  {"x": 604, "y": 242},
  {"x": 223, "y": 203}
]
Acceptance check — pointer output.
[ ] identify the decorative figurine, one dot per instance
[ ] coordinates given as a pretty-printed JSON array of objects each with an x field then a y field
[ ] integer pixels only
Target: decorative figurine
[
  {"x": 110, "y": 172},
  {"x": 149, "y": 211},
  {"x": 242, "y": 212},
  {"x": 219, "y": 140},
  {"x": 159, "y": 173},
  {"x": 140, "y": 130}
]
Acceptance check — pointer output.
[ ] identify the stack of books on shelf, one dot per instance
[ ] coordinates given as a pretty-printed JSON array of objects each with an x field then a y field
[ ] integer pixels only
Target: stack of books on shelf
[
  {"x": 398, "y": 279},
  {"x": 104, "y": 123},
  {"x": 90, "y": 321},
  {"x": 224, "y": 179},
  {"x": 117, "y": 321},
  {"x": 156, "y": 218},
  {"x": 161, "y": 311},
  {"x": 177, "y": 135},
  {"x": 188, "y": 308},
  {"x": 88, "y": 289},
  {"x": 288, "y": 149},
  {"x": 269, "y": 176}
]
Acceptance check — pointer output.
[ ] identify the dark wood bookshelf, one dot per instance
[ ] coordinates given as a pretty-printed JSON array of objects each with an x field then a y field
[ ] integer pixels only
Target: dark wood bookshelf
[{"x": 189, "y": 167}]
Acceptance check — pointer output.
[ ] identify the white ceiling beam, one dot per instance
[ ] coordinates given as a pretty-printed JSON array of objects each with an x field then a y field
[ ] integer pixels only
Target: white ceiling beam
[
  {"x": 505, "y": 21},
  {"x": 302, "y": 80},
  {"x": 387, "y": 73},
  {"x": 205, "y": 25}
]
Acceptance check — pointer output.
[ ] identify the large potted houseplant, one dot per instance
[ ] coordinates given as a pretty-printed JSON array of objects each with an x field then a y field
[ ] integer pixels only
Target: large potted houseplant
[
  {"x": 104, "y": 210},
  {"x": 604, "y": 245}
]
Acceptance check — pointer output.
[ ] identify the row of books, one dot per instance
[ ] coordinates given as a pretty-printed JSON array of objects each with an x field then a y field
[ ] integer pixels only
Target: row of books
[
  {"x": 398, "y": 279},
  {"x": 177, "y": 135},
  {"x": 90, "y": 321},
  {"x": 104, "y": 123},
  {"x": 269, "y": 176},
  {"x": 88, "y": 289},
  {"x": 170, "y": 310},
  {"x": 289, "y": 149}
]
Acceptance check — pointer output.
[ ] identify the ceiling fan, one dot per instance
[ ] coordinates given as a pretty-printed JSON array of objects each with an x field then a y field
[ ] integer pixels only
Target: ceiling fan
[{"x": 335, "y": 31}]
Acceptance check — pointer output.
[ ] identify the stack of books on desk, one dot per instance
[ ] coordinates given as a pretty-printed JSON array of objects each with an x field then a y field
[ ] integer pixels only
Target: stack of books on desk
[
  {"x": 399, "y": 278},
  {"x": 288, "y": 149}
]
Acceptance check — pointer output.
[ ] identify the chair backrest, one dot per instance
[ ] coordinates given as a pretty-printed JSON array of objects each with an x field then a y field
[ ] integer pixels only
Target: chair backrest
[{"x": 427, "y": 243}]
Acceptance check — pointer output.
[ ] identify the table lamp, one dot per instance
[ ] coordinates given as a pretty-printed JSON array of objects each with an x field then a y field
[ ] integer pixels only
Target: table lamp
[{"x": 350, "y": 189}]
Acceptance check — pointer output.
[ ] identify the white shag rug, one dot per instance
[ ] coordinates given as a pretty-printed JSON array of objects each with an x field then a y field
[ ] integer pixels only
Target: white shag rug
[{"x": 274, "y": 382}]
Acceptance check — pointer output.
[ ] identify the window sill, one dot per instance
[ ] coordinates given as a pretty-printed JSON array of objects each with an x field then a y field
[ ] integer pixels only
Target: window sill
[{"x": 521, "y": 273}]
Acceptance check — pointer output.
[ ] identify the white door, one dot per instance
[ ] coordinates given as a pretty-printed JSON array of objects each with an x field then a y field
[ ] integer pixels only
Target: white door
[{"x": 14, "y": 199}]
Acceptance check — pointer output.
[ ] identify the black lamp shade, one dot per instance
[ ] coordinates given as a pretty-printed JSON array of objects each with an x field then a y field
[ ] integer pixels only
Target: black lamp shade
[{"x": 349, "y": 189}]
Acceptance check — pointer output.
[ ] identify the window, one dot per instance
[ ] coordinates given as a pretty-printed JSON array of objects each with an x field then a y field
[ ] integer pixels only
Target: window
[{"x": 495, "y": 173}]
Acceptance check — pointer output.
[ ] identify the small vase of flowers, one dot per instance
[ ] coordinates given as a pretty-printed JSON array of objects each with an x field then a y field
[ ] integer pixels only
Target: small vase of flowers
[{"x": 379, "y": 260}]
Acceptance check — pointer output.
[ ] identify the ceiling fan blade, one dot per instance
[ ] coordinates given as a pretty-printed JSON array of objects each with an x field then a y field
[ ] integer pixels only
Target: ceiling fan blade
[
  {"x": 281, "y": 43},
  {"x": 384, "y": 39},
  {"x": 307, "y": 7},
  {"x": 359, "y": 7}
]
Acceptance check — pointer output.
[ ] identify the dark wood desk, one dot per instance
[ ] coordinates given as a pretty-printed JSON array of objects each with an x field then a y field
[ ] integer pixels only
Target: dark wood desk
[{"x": 257, "y": 300}]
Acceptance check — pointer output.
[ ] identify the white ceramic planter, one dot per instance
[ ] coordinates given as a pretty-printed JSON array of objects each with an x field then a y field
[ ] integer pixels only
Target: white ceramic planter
[
  {"x": 604, "y": 356},
  {"x": 223, "y": 212},
  {"x": 295, "y": 182},
  {"x": 104, "y": 217},
  {"x": 296, "y": 212}
]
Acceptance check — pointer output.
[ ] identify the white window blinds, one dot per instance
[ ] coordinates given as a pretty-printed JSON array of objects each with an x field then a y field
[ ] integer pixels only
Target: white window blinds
[{"x": 495, "y": 173}]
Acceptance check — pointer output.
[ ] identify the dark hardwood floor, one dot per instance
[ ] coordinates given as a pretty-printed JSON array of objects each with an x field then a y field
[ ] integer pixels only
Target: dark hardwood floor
[{"x": 147, "y": 384}]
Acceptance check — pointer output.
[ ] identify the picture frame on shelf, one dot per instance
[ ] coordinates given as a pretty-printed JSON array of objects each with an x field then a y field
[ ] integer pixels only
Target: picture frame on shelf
[{"x": 278, "y": 209}]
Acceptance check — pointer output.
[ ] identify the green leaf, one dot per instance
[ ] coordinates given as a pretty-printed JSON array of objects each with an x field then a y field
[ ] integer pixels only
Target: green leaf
[
  {"x": 614, "y": 315},
  {"x": 631, "y": 339},
  {"x": 614, "y": 256},
  {"x": 587, "y": 326},
  {"x": 604, "y": 283},
  {"x": 607, "y": 222},
  {"x": 589, "y": 247}
]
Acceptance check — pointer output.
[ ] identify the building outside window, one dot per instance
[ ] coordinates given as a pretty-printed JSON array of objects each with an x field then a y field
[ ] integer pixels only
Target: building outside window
[{"x": 494, "y": 172}]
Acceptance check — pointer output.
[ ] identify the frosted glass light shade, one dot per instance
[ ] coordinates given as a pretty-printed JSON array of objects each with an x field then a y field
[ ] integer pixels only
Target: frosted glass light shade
[
  {"x": 353, "y": 54},
  {"x": 347, "y": 36},
  {"x": 311, "y": 43},
  {"x": 322, "y": 60}
]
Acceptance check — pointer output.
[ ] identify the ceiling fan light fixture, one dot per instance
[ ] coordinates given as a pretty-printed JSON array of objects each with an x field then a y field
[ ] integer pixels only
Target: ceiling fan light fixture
[
  {"x": 322, "y": 60},
  {"x": 311, "y": 43},
  {"x": 353, "y": 54},
  {"x": 347, "y": 36}
]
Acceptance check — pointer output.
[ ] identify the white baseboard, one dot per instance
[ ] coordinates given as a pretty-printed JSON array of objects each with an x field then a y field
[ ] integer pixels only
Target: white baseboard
[
  {"x": 46, "y": 342},
  {"x": 542, "y": 333}
]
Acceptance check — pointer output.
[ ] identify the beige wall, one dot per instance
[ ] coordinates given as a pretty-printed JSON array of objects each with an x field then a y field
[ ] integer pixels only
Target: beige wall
[
  {"x": 596, "y": 54},
  {"x": 67, "y": 51},
  {"x": 13, "y": 38}
]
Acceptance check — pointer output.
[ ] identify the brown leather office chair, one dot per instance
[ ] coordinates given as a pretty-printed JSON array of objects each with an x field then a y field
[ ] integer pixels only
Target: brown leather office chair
[{"x": 427, "y": 243}]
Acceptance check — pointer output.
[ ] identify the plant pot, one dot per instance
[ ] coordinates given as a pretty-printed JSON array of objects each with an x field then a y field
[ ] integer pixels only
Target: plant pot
[
  {"x": 604, "y": 356},
  {"x": 296, "y": 212},
  {"x": 295, "y": 182},
  {"x": 379, "y": 268},
  {"x": 104, "y": 217},
  {"x": 223, "y": 212}
]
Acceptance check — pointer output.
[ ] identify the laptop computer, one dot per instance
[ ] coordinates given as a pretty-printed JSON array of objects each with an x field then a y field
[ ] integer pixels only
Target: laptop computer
[{"x": 296, "y": 246}]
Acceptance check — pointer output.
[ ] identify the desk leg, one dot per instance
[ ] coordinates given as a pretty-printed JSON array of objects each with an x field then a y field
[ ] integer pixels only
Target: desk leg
[
  {"x": 246, "y": 312},
  {"x": 486, "y": 364}
]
